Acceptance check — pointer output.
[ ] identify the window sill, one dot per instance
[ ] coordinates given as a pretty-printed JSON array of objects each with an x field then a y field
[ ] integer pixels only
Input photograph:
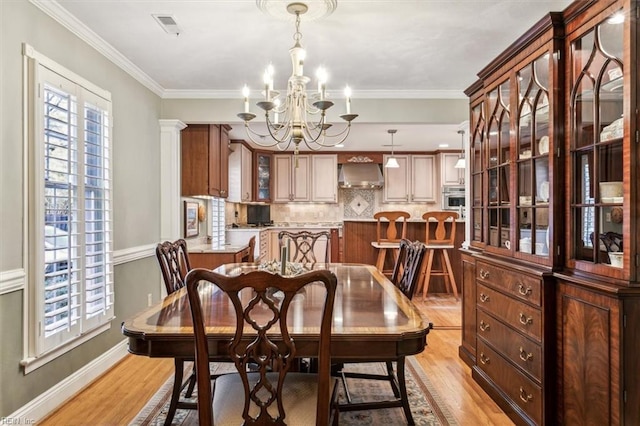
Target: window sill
[{"x": 33, "y": 363}]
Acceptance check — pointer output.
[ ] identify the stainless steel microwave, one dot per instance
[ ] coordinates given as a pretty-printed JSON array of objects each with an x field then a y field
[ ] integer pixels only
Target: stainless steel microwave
[{"x": 453, "y": 197}]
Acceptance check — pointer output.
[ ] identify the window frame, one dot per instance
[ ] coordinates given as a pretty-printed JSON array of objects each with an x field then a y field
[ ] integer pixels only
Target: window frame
[{"x": 38, "y": 349}]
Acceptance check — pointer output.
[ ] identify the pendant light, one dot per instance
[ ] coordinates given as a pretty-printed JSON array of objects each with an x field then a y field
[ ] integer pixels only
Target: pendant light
[
  {"x": 461, "y": 163},
  {"x": 392, "y": 163}
]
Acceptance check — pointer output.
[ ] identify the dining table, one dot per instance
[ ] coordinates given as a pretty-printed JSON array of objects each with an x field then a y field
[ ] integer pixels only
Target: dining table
[{"x": 372, "y": 319}]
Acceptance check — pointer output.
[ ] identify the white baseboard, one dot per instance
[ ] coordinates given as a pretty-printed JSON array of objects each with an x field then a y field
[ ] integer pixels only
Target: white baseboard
[{"x": 52, "y": 398}]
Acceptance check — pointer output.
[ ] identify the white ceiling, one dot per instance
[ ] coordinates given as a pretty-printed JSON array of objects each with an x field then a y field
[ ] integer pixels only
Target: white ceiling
[{"x": 381, "y": 48}]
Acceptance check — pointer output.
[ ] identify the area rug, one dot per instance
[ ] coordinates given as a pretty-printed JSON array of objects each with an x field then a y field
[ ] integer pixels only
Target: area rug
[{"x": 426, "y": 405}]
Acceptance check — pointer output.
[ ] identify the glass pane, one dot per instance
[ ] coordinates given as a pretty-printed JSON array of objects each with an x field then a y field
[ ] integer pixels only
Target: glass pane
[
  {"x": 504, "y": 184},
  {"x": 525, "y": 190},
  {"x": 584, "y": 223},
  {"x": 525, "y": 241},
  {"x": 610, "y": 173},
  {"x": 541, "y": 71},
  {"x": 542, "y": 180},
  {"x": 505, "y": 140},
  {"x": 493, "y": 143},
  {"x": 477, "y": 190},
  {"x": 477, "y": 224},
  {"x": 583, "y": 178},
  {"x": 493, "y": 186},
  {"x": 584, "y": 113}
]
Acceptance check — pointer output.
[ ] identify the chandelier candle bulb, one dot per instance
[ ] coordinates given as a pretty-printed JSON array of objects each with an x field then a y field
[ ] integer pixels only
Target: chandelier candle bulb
[
  {"x": 347, "y": 94},
  {"x": 245, "y": 93}
]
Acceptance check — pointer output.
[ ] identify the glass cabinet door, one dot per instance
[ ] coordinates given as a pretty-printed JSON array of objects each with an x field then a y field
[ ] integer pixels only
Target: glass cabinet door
[
  {"x": 533, "y": 134},
  {"x": 596, "y": 135},
  {"x": 498, "y": 166},
  {"x": 263, "y": 177},
  {"x": 477, "y": 169}
]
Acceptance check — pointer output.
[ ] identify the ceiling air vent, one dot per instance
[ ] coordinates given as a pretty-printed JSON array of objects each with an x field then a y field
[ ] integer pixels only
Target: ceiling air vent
[{"x": 168, "y": 23}]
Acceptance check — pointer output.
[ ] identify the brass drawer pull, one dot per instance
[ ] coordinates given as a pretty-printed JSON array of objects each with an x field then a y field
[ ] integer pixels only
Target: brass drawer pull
[
  {"x": 484, "y": 326},
  {"x": 524, "y": 320},
  {"x": 484, "y": 359},
  {"x": 524, "y": 355},
  {"x": 524, "y": 396},
  {"x": 484, "y": 298},
  {"x": 524, "y": 291},
  {"x": 484, "y": 274}
]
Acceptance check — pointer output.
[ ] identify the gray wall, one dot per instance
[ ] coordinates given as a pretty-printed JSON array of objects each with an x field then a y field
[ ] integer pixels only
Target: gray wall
[{"x": 136, "y": 195}]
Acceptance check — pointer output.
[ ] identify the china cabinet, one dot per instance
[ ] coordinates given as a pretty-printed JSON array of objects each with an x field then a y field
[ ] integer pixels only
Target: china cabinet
[
  {"x": 292, "y": 178},
  {"x": 240, "y": 173},
  {"x": 204, "y": 160},
  {"x": 262, "y": 176},
  {"x": 554, "y": 220},
  {"x": 413, "y": 181},
  {"x": 598, "y": 294},
  {"x": 509, "y": 316}
]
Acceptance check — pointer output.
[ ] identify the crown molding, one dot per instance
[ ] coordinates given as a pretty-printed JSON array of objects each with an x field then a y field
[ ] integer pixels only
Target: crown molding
[
  {"x": 70, "y": 22},
  {"x": 361, "y": 94}
]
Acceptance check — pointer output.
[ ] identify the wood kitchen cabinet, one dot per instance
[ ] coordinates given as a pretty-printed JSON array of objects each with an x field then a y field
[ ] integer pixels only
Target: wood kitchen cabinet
[
  {"x": 292, "y": 178},
  {"x": 324, "y": 178},
  {"x": 240, "y": 173},
  {"x": 211, "y": 260},
  {"x": 204, "y": 160},
  {"x": 413, "y": 181},
  {"x": 449, "y": 175},
  {"x": 262, "y": 176}
]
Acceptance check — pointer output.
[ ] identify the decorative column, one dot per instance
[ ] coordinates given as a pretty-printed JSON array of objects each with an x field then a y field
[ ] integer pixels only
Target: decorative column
[{"x": 170, "y": 179}]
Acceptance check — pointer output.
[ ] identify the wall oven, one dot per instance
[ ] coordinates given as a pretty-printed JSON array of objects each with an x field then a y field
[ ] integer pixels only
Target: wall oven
[{"x": 453, "y": 198}]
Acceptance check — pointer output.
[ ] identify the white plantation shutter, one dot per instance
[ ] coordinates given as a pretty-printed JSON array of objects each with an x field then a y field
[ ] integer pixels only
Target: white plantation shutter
[{"x": 73, "y": 230}]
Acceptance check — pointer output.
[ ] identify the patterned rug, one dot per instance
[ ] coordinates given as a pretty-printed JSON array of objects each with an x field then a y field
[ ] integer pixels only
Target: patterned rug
[{"x": 426, "y": 405}]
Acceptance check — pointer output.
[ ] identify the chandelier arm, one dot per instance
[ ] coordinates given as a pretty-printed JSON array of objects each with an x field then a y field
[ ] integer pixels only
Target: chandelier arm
[
  {"x": 250, "y": 132},
  {"x": 346, "y": 132}
]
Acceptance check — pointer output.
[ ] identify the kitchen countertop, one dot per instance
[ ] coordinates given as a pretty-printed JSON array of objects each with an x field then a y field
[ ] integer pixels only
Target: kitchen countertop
[
  {"x": 417, "y": 220},
  {"x": 278, "y": 225},
  {"x": 206, "y": 248}
]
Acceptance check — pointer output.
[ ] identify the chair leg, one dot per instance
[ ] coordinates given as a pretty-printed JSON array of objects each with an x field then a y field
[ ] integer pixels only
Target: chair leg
[
  {"x": 175, "y": 393},
  {"x": 382, "y": 254},
  {"x": 452, "y": 279},
  {"x": 403, "y": 391},
  {"x": 192, "y": 383},
  {"x": 427, "y": 274}
]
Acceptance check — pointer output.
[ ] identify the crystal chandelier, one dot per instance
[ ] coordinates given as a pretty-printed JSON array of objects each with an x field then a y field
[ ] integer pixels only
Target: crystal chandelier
[{"x": 300, "y": 117}]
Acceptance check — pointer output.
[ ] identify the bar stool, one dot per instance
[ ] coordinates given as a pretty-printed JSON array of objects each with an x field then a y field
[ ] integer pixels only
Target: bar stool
[
  {"x": 388, "y": 239},
  {"x": 439, "y": 241}
]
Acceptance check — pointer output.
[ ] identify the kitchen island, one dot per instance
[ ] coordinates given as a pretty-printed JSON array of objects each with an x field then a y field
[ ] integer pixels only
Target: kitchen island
[{"x": 359, "y": 233}]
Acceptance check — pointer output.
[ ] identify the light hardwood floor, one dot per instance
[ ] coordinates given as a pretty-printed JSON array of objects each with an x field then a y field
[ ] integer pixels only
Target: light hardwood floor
[{"x": 116, "y": 397}]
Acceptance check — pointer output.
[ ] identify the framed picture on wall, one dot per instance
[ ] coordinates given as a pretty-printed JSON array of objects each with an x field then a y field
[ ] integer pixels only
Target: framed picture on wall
[{"x": 190, "y": 219}]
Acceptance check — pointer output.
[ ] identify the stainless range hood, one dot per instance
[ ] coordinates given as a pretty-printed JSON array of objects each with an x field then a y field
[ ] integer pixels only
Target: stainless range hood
[{"x": 360, "y": 175}]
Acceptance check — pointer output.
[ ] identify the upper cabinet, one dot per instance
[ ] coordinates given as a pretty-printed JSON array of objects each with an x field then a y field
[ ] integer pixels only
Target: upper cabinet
[
  {"x": 602, "y": 138},
  {"x": 204, "y": 160},
  {"x": 305, "y": 178},
  {"x": 413, "y": 181},
  {"x": 324, "y": 178},
  {"x": 240, "y": 173},
  {"x": 262, "y": 176},
  {"x": 291, "y": 178},
  {"x": 449, "y": 175}
]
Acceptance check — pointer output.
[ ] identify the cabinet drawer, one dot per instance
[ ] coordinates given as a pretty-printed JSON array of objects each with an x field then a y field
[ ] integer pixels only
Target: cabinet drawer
[
  {"x": 512, "y": 312},
  {"x": 512, "y": 345},
  {"x": 524, "y": 392},
  {"x": 521, "y": 286}
]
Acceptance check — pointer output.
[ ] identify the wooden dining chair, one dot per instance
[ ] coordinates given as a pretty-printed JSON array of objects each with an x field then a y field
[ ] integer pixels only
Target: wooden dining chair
[
  {"x": 303, "y": 246},
  {"x": 387, "y": 235},
  {"x": 406, "y": 273},
  {"x": 174, "y": 265},
  {"x": 439, "y": 241},
  {"x": 270, "y": 394},
  {"x": 252, "y": 249}
]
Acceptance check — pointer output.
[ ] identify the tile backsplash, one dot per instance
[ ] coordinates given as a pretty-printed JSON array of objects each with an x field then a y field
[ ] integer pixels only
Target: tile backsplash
[{"x": 352, "y": 204}]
